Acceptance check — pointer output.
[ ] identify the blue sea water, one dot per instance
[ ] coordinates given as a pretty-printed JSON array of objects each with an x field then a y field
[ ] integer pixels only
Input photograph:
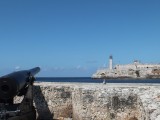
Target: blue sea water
[{"x": 90, "y": 80}]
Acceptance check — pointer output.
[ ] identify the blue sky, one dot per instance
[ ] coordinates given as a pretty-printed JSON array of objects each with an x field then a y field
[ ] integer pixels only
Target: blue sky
[{"x": 74, "y": 38}]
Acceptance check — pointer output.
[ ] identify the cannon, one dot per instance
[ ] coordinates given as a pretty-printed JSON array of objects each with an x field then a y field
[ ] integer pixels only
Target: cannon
[{"x": 19, "y": 83}]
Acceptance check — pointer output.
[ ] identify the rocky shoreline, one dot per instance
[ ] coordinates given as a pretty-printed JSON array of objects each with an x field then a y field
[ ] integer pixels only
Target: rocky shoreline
[{"x": 96, "y": 101}]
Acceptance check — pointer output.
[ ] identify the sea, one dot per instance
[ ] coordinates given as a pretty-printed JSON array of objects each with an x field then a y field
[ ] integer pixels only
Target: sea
[{"x": 90, "y": 80}]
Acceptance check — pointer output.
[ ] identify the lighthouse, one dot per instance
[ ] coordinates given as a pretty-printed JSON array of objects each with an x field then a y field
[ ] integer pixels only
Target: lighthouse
[{"x": 110, "y": 62}]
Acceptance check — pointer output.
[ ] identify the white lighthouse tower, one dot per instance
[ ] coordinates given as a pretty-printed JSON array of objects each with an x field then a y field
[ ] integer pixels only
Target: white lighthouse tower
[{"x": 110, "y": 62}]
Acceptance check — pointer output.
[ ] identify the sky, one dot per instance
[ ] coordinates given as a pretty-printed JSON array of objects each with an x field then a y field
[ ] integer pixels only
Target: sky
[{"x": 74, "y": 38}]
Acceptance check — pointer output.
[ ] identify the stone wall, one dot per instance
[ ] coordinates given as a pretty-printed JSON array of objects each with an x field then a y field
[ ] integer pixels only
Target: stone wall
[
  {"x": 97, "y": 101},
  {"x": 106, "y": 104}
]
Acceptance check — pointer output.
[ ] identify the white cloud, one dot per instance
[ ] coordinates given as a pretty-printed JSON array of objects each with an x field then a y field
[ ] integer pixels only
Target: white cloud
[
  {"x": 91, "y": 62},
  {"x": 17, "y": 67},
  {"x": 58, "y": 68},
  {"x": 78, "y": 67},
  {"x": 45, "y": 69}
]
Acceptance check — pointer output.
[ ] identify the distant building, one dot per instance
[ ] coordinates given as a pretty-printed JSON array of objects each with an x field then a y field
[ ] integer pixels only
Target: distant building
[{"x": 133, "y": 70}]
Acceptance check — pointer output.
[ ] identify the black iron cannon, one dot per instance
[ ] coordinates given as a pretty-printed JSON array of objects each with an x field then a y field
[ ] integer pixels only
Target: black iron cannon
[{"x": 18, "y": 83}]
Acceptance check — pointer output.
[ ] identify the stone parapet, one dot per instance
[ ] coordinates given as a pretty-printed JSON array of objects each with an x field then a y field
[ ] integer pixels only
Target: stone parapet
[{"x": 95, "y": 101}]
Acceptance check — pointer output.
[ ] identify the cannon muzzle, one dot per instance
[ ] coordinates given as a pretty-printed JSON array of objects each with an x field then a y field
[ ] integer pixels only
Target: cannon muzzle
[{"x": 13, "y": 83}]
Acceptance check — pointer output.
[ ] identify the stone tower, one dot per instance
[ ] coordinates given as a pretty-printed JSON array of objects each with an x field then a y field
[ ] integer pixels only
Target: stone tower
[{"x": 110, "y": 62}]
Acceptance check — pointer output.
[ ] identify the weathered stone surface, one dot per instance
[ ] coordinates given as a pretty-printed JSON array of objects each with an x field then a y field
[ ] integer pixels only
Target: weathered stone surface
[{"x": 76, "y": 101}]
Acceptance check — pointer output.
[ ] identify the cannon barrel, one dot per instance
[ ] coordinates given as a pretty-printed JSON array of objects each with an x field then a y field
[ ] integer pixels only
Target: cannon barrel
[{"x": 11, "y": 84}]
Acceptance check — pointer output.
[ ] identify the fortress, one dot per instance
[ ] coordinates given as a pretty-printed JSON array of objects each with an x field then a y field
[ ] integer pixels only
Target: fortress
[{"x": 133, "y": 70}]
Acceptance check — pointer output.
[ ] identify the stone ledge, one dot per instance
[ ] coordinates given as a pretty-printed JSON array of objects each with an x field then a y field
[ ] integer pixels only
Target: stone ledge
[{"x": 94, "y": 101}]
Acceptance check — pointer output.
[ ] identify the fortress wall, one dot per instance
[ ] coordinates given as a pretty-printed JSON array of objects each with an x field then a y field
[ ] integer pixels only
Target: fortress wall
[
  {"x": 118, "y": 103},
  {"x": 53, "y": 100},
  {"x": 97, "y": 101}
]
